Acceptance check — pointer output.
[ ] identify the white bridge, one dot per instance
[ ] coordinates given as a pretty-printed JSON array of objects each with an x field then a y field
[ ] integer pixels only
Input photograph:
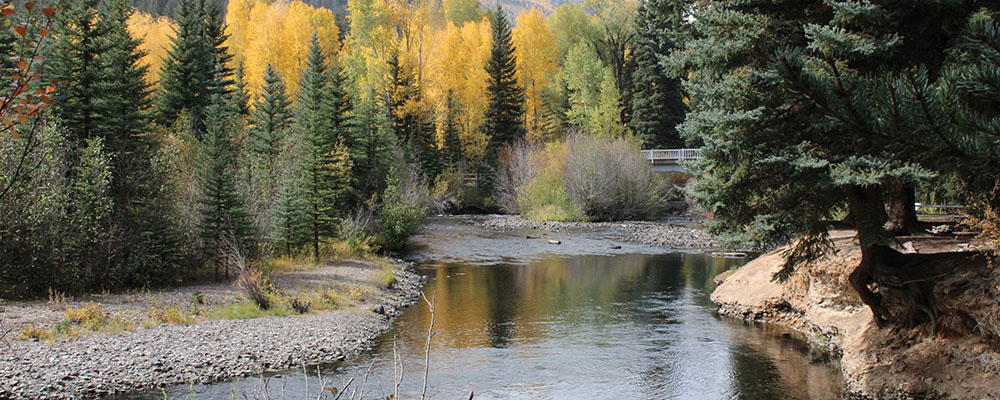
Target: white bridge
[{"x": 670, "y": 160}]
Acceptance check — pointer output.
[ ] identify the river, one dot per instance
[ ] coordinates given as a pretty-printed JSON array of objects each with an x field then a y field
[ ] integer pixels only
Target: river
[{"x": 519, "y": 318}]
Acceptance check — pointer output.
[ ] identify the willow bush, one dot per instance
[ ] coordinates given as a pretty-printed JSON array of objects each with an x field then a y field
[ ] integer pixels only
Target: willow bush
[{"x": 585, "y": 177}]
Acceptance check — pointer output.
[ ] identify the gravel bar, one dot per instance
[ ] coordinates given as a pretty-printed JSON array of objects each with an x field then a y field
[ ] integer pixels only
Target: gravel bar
[
  {"x": 96, "y": 365},
  {"x": 674, "y": 234}
]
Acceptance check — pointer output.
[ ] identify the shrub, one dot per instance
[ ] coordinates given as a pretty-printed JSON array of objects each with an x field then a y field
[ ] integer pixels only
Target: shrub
[
  {"x": 168, "y": 315},
  {"x": 517, "y": 169},
  {"x": 252, "y": 283},
  {"x": 91, "y": 316},
  {"x": 300, "y": 306},
  {"x": 198, "y": 297},
  {"x": 610, "y": 180},
  {"x": 31, "y": 332},
  {"x": 386, "y": 275},
  {"x": 403, "y": 208}
]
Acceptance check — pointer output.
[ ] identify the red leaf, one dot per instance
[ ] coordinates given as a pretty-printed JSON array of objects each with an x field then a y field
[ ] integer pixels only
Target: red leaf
[
  {"x": 44, "y": 32},
  {"x": 48, "y": 12},
  {"x": 21, "y": 30},
  {"x": 23, "y": 65},
  {"x": 29, "y": 5},
  {"x": 9, "y": 11}
]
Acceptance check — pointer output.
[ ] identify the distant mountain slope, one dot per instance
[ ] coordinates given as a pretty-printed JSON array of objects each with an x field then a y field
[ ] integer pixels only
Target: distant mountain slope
[{"x": 339, "y": 7}]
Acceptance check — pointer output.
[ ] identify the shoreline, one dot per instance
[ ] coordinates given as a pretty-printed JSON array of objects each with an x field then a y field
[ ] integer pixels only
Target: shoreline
[
  {"x": 101, "y": 364},
  {"x": 897, "y": 363}
]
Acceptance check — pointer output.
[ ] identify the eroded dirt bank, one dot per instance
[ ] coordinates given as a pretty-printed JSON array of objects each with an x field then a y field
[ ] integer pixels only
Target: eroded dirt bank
[{"x": 961, "y": 360}]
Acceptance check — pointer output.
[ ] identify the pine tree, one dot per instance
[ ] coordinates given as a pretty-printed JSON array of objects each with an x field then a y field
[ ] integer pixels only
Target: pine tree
[
  {"x": 799, "y": 124},
  {"x": 289, "y": 224},
  {"x": 79, "y": 40},
  {"x": 136, "y": 189},
  {"x": 658, "y": 103},
  {"x": 241, "y": 97},
  {"x": 106, "y": 97},
  {"x": 372, "y": 137},
  {"x": 453, "y": 152},
  {"x": 326, "y": 164},
  {"x": 195, "y": 70},
  {"x": 224, "y": 222},
  {"x": 271, "y": 116},
  {"x": 505, "y": 113}
]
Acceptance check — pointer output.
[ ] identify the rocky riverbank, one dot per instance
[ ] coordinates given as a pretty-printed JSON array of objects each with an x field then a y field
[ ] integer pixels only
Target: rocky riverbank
[
  {"x": 98, "y": 364},
  {"x": 678, "y": 233},
  {"x": 959, "y": 361}
]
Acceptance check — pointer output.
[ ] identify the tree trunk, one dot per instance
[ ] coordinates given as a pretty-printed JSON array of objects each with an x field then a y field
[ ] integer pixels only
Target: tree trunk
[
  {"x": 868, "y": 212},
  {"x": 902, "y": 213}
]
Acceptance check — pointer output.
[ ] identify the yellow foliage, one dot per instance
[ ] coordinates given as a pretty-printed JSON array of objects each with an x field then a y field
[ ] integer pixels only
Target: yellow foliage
[
  {"x": 457, "y": 64},
  {"x": 537, "y": 59},
  {"x": 277, "y": 32},
  {"x": 156, "y": 34}
]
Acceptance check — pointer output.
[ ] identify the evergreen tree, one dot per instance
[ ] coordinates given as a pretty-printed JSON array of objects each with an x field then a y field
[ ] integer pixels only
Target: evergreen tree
[
  {"x": 241, "y": 98},
  {"x": 505, "y": 113},
  {"x": 224, "y": 222},
  {"x": 658, "y": 103},
  {"x": 799, "y": 124},
  {"x": 139, "y": 213},
  {"x": 194, "y": 71},
  {"x": 79, "y": 38},
  {"x": 289, "y": 223},
  {"x": 372, "y": 136},
  {"x": 453, "y": 152},
  {"x": 106, "y": 96},
  {"x": 326, "y": 164},
  {"x": 271, "y": 116}
]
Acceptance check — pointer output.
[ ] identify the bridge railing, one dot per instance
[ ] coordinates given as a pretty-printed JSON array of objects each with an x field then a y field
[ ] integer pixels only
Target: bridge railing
[{"x": 671, "y": 155}]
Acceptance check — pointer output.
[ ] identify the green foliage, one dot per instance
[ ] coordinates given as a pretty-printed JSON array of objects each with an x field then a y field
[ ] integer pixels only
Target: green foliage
[
  {"x": 798, "y": 123},
  {"x": 326, "y": 163},
  {"x": 505, "y": 113},
  {"x": 271, "y": 117},
  {"x": 195, "y": 70},
  {"x": 403, "y": 208},
  {"x": 658, "y": 103},
  {"x": 224, "y": 221}
]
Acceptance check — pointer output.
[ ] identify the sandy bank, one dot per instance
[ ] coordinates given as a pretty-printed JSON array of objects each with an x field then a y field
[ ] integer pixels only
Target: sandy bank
[{"x": 960, "y": 361}]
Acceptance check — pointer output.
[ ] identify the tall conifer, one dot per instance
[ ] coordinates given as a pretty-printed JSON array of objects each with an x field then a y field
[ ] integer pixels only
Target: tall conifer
[{"x": 505, "y": 113}]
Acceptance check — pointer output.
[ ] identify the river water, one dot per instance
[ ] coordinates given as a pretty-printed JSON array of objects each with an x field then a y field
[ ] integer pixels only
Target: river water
[{"x": 518, "y": 318}]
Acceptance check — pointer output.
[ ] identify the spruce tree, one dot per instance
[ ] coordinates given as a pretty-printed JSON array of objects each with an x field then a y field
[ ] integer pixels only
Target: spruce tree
[
  {"x": 505, "y": 114},
  {"x": 453, "y": 152},
  {"x": 271, "y": 116},
  {"x": 371, "y": 154},
  {"x": 136, "y": 189},
  {"x": 289, "y": 224},
  {"x": 224, "y": 222},
  {"x": 195, "y": 70},
  {"x": 79, "y": 38},
  {"x": 326, "y": 164},
  {"x": 240, "y": 98},
  {"x": 658, "y": 103},
  {"x": 800, "y": 124},
  {"x": 105, "y": 96}
]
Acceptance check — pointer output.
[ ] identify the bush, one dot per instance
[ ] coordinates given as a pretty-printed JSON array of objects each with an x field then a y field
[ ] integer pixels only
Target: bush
[
  {"x": 610, "y": 180},
  {"x": 585, "y": 177},
  {"x": 403, "y": 208}
]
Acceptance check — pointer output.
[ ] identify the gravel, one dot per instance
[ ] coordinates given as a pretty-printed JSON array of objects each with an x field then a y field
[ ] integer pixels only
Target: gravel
[
  {"x": 96, "y": 365},
  {"x": 680, "y": 234}
]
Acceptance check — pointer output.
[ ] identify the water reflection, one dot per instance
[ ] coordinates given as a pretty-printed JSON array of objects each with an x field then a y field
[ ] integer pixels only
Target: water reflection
[{"x": 635, "y": 326}]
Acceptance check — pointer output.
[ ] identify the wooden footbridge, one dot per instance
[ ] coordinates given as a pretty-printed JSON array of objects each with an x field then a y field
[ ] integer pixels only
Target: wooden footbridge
[{"x": 670, "y": 160}]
